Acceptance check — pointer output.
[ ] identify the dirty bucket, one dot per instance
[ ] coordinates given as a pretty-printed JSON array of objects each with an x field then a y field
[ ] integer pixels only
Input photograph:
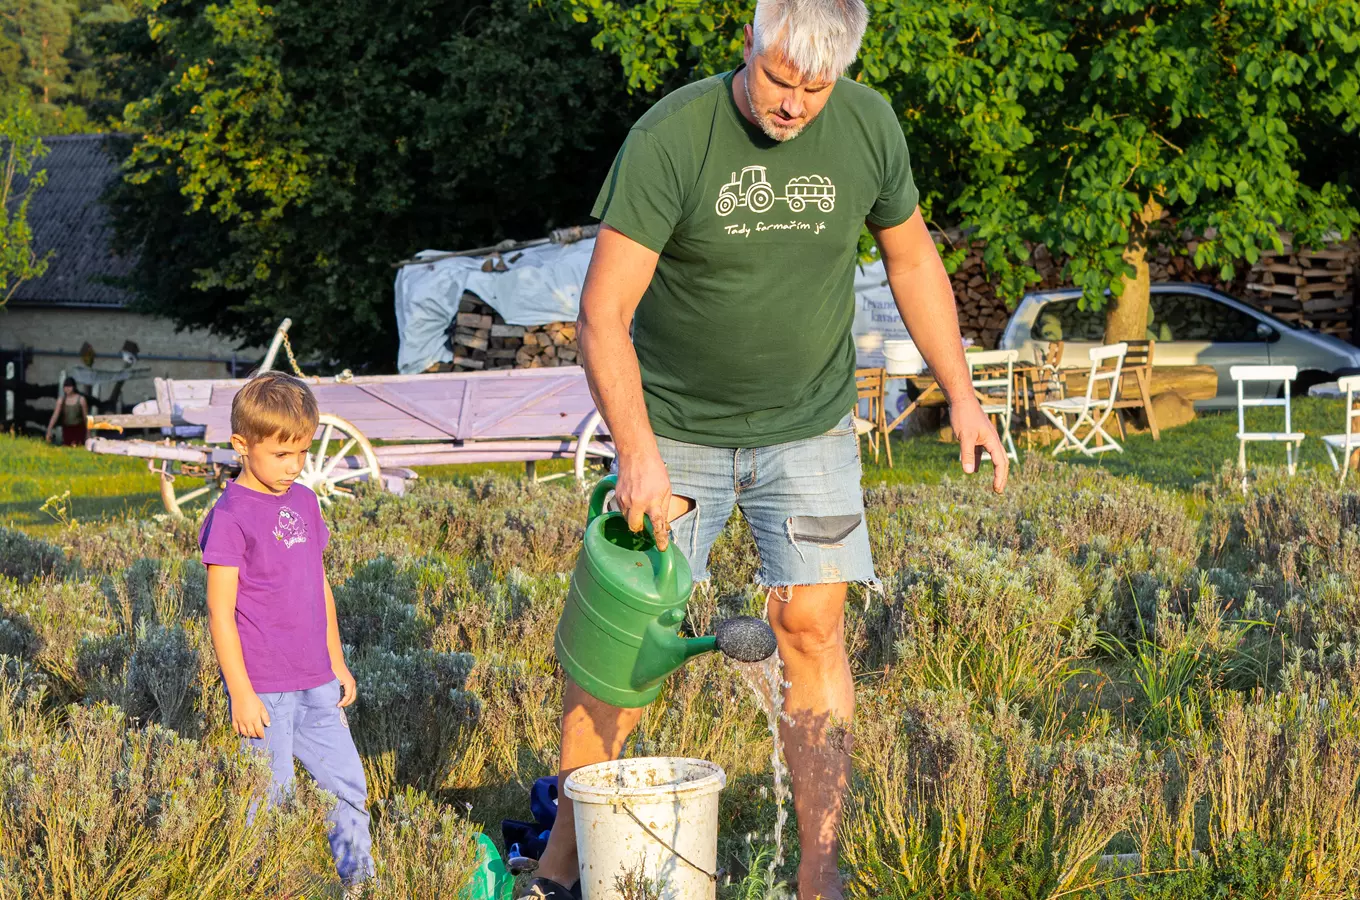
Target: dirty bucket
[{"x": 651, "y": 818}]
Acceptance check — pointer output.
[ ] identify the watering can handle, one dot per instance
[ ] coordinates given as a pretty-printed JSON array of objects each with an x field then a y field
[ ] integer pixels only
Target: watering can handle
[
  {"x": 607, "y": 484},
  {"x": 665, "y": 573}
]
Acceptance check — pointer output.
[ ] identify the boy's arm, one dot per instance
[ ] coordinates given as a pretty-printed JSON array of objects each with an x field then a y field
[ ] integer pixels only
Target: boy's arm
[
  {"x": 249, "y": 718},
  {"x": 349, "y": 689}
]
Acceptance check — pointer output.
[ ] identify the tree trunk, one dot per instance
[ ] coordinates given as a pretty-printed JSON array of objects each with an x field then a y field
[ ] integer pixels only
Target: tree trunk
[{"x": 1127, "y": 318}]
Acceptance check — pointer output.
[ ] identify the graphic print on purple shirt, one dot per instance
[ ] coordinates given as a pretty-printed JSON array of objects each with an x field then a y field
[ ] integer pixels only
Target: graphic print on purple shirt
[{"x": 275, "y": 541}]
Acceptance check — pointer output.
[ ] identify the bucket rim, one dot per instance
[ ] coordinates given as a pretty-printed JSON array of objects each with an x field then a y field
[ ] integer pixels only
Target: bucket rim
[{"x": 714, "y": 781}]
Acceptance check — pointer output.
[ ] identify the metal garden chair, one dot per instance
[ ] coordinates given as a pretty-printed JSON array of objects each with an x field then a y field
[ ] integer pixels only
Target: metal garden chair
[
  {"x": 1289, "y": 437},
  {"x": 995, "y": 391},
  {"x": 1349, "y": 442},
  {"x": 1092, "y": 410}
]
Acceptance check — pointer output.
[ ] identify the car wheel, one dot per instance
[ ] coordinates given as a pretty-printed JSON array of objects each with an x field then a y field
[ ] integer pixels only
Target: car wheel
[{"x": 1299, "y": 386}]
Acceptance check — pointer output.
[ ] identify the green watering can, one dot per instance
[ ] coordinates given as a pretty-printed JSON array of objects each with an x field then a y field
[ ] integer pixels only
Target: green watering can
[{"x": 618, "y": 637}]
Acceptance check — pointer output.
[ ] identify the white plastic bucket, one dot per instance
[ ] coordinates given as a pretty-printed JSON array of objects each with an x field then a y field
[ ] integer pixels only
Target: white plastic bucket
[
  {"x": 902, "y": 358},
  {"x": 652, "y": 817}
]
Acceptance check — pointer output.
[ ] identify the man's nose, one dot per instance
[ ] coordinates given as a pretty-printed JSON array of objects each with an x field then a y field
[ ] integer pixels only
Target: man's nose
[{"x": 793, "y": 104}]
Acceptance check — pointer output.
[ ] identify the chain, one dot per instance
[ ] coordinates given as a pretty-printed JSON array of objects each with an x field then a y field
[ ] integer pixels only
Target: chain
[{"x": 288, "y": 346}]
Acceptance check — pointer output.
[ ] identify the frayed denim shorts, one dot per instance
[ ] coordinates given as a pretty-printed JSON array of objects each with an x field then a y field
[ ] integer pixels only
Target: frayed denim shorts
[{"x": 802, "y": 500}]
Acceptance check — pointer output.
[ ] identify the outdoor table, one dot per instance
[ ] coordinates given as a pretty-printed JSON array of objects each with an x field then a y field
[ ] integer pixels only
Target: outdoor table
[{"x": 1190, "y": 382}]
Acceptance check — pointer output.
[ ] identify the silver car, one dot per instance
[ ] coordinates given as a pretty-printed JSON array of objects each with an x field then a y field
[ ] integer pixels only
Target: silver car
[{"x": 1193, "y": 326}]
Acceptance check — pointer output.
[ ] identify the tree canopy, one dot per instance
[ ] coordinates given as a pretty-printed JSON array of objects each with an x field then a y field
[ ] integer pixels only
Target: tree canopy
[
  {"x": 1085, "y": 126},
  {"x": 21, "y": 148},
  {"x": 288, "y": 153}
]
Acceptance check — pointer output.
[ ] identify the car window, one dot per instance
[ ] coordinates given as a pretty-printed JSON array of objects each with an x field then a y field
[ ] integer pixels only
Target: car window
[
  {"x": 1190, "y": 317},
  {"x": 1065, "y": 320}
]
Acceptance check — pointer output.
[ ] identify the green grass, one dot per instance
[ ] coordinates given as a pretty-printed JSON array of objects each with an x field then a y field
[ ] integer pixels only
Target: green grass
[
  {"x": 104, "y": 487},
  {"x": 1185, "y": 456}
]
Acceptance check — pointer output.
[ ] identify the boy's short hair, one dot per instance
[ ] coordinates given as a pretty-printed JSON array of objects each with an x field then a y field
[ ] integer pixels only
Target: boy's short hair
[{"x": 274, "y": 404}]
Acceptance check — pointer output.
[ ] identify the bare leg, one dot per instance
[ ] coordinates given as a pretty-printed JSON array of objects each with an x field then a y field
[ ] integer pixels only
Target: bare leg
[
  {"x": 810, "y": 628},
  {"x": 592, "y": 731}
]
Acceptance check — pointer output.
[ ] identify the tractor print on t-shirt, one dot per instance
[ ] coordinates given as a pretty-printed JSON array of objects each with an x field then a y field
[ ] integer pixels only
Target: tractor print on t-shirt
[
  {"x": 290, "y": 529},
  {"x": 752, "y": 190}
]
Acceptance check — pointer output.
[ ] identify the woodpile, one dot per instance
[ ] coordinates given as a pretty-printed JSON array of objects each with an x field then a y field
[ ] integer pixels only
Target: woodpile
[
  {"x": 481, "y": 340},
  {"x": 1311, "y": 287}
]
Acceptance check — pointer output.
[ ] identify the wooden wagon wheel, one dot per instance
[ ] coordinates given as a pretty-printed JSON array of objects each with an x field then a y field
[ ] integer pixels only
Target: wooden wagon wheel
[
  {"x": 207, "y": 492},
  {"x": 322, "y": 473},
  {"x": 583, "y": 445}
]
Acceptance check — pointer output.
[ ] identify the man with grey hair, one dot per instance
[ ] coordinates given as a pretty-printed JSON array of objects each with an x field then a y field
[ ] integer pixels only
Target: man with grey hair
[{"x": 731, "y": 221}]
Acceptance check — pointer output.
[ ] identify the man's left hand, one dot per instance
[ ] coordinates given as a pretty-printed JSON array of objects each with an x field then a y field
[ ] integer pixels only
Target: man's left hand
[{"x": 974, "y": 430}]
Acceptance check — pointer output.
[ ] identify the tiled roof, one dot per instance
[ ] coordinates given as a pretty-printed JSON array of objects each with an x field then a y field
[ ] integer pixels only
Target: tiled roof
[{"x": 66, "y": 217}]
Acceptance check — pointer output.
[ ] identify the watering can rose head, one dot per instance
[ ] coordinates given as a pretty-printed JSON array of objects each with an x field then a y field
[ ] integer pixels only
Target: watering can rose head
[
  {"x": 618, "y": 638},
  {"x": 745, "y": 639}
]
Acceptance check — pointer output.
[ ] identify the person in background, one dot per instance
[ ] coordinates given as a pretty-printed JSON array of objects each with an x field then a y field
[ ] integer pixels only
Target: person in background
[
  {"x": 272, "y": 616},
  {"x": 72, "y": 409}
]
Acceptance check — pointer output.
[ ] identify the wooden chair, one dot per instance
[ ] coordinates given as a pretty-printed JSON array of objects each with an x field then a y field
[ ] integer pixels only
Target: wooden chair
[
  {"x": 1048, "y": 382},
  {"x": 1136, "y": 392},
  {"x": 870, "y": 384}
]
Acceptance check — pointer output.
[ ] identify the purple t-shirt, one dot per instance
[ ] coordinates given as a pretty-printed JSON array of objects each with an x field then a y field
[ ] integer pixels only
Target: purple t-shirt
[{"x": 276, "y": 542}]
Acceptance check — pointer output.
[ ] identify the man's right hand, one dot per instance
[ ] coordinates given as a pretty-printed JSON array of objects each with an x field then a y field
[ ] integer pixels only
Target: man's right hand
[
  {"x": 644, "y": 488},
  {"x": 249, "y": 717}
]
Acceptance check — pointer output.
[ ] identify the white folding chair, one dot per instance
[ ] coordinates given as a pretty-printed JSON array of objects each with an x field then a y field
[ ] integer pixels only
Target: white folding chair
[
  {"x": 1290, "y": 438},
  {"x": 1091, "y": 409},
  {"x": 1349, "y": 442},
  {"x": 996, "y": 392}
]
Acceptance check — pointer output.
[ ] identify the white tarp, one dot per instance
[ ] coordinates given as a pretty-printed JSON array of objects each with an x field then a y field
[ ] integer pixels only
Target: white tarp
[{"x": 544, "y": 285}]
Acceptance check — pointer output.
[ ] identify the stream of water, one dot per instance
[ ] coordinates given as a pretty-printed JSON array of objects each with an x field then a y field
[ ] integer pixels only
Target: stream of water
[{"x": 766, "y": 681}]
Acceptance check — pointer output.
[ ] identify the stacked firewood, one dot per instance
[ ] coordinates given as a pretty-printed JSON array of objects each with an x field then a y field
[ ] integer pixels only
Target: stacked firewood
[
  {"x": 1310, "y": 286},
  {"x": 983, "y": 315},
  {"x": 481, "y": 340}
]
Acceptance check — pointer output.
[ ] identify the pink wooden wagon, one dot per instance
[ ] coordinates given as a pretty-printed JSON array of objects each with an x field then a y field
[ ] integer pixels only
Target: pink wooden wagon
[{"x": 373, "y": 429}]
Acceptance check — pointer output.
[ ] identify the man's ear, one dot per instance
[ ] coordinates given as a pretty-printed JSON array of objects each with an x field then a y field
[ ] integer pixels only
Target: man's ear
[{"x": 750, "y": 44}]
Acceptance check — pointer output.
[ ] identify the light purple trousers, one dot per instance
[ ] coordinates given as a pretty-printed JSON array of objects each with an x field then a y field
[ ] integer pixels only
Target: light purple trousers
[{"x": 310, "y": 726}]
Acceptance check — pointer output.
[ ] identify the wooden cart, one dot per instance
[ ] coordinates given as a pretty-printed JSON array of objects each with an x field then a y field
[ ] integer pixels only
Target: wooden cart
[{"x": 373, "y": 429}]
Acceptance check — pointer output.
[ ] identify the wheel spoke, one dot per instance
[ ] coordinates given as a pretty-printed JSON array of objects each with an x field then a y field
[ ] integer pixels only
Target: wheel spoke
[
  {"x": 335, "y": 460},
  {"x": 321, "y": 451},
  {"x": 355, "y": 473}
]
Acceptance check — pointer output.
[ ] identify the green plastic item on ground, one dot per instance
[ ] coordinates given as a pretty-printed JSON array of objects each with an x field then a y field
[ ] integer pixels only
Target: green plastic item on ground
[
  {"x": 493, "y": 880},
  {"x": 618, "y": 637}
]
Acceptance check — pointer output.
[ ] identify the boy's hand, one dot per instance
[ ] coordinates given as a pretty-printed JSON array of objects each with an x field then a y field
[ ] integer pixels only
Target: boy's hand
[
  {"x": 249, "y": 716},
  {"x": 349, "y": 689}
]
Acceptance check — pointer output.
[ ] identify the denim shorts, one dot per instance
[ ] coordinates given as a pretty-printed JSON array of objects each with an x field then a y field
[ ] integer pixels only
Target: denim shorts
[{"x": 802, "y": 500}]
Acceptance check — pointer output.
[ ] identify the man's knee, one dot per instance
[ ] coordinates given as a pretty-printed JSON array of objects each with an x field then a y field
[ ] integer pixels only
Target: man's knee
[{"x": 810, "y": 631}]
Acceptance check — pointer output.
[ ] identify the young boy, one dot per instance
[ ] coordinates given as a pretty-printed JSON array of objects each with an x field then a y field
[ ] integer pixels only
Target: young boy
[{"x": 272, "y": 614}]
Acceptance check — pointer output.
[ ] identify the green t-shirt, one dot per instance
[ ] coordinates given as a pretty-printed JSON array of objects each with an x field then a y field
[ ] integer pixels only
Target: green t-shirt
[{"x": 743, "y": 335}]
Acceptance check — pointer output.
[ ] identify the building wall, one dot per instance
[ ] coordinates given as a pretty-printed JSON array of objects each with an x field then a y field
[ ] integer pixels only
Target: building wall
[{"x": 55, "y": 335}]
